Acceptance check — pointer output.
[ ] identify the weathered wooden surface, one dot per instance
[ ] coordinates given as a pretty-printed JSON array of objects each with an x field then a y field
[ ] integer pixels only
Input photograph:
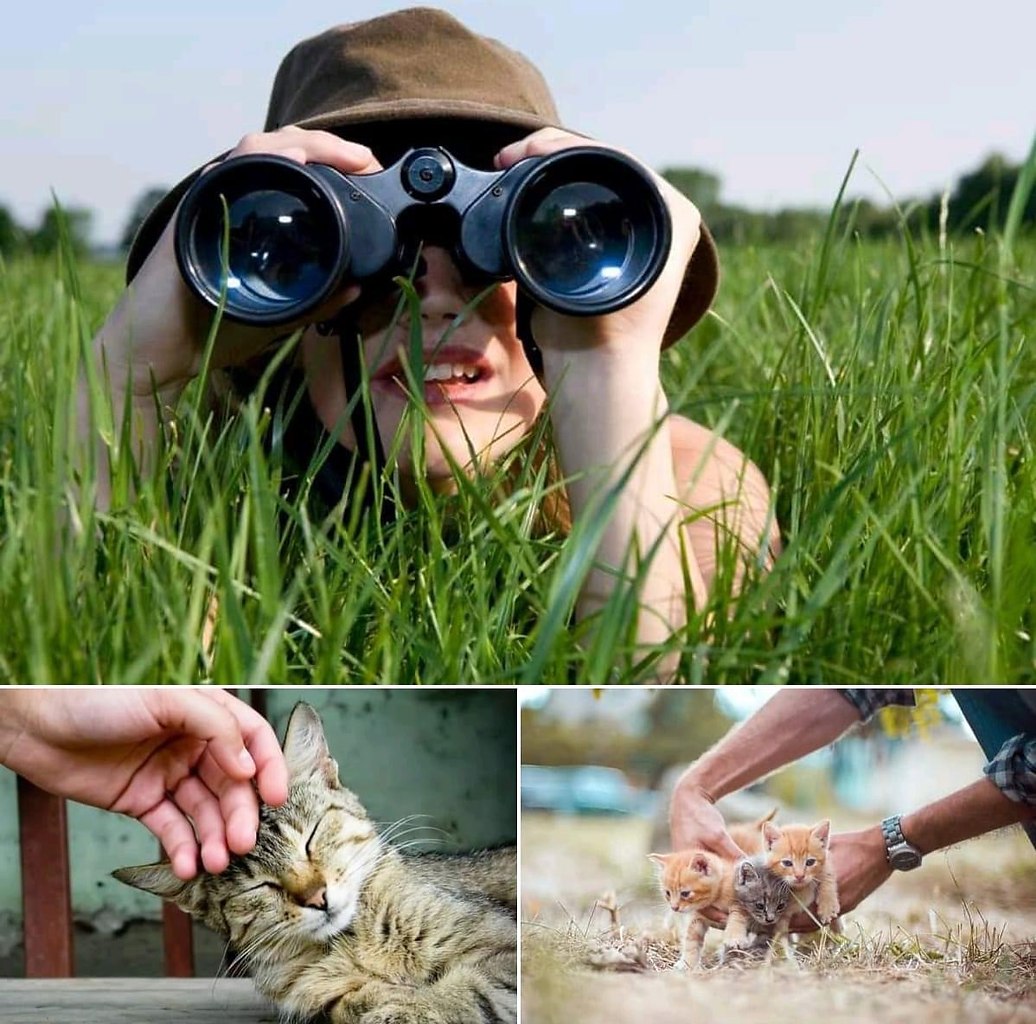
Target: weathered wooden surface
[{"x": 132, "y": 1001}]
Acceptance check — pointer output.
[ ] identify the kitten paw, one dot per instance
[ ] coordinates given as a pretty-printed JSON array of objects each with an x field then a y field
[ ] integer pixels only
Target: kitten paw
[
  {"x": 680, "y": 965},
  {"x": 827, "y": 910}
]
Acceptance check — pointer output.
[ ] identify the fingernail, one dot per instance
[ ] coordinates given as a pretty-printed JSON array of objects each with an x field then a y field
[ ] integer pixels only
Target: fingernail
[{"x": 246, "y": 762}]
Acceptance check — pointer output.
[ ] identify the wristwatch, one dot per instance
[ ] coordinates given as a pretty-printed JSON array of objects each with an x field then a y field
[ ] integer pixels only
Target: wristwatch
[{"x": 901, "y": 855}]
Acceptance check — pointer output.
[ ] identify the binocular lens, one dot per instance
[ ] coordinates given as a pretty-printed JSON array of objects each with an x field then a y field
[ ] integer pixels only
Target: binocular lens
[
  {"x": 575, "y": 241},
  {"x": 587, "y": 232},
  {"x": 278, "y": 250},
  {"x": 268, "y": 236}
]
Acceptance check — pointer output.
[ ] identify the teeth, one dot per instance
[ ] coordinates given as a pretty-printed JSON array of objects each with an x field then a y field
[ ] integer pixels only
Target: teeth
[{"x": 449, "y": 371}]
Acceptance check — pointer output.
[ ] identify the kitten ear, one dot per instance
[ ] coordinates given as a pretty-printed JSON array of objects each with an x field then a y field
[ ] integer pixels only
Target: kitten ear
[
  {"x": 746, "y": 872},
  {"x": 661, "y": 859},
  {"x": 159, "y": 880},
  {"x": 305, "y": 747},
  {"x": 700, "y": 863},
  {"x": 771, "y": 833},
  {"x": 822, "y": 831}
]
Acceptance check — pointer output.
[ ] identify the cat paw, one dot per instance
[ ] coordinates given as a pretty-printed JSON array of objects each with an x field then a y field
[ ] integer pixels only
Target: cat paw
[
  {"x": 394, "y": 1013},
  {"x": 827, "y": 910},
  {"x": 680, "y": 965},
  {"x": 740, "y": 942}
]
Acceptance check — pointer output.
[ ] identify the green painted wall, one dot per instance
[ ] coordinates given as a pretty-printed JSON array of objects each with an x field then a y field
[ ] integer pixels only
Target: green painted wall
[{"x": 449, "y": 755}]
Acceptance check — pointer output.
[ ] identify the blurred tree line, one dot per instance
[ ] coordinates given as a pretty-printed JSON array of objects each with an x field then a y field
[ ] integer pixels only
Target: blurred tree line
[
  {"x": 73, "y": 223},
  {"x": 670, "y": 730},
  {"x": 979, "y": 199}
]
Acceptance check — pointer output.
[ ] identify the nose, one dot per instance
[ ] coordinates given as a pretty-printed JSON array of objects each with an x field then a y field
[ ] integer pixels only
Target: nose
[
  {"x": 317, "y": 899},
  {"x": 439, "y": 285}
]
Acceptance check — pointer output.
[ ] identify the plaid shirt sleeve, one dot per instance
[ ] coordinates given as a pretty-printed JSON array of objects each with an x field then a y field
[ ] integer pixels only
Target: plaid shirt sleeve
[
  {"x": 1013, "y": 770},
  {"x": 868, "y": 701}
]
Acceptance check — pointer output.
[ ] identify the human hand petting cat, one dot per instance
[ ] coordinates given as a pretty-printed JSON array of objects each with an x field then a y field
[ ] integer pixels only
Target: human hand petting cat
[{"x": 180, "y": 761}]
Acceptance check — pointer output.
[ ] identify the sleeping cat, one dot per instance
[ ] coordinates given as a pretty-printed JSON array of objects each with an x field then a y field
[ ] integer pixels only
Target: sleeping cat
[
  {"x": 330, "y": 919},
  {"x": 798, "y": 855},
  {"x": 690, "y": 881},
  {"x": 760, "y": 911}
]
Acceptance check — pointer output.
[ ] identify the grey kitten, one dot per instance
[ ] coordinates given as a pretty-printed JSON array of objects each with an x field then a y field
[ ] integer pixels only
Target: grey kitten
[{"x": 761, "y": 908}]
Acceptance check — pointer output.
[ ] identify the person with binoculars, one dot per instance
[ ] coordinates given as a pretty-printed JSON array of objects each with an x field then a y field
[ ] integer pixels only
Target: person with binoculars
[{"x": 548, "y": 271}]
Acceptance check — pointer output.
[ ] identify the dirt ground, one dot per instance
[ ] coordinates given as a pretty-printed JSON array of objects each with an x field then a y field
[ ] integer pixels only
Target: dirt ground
[{"x": 953, "y": 941}]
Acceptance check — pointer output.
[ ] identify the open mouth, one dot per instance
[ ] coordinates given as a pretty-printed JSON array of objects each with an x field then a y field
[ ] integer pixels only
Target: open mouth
[{"x": 448, "y": 374}]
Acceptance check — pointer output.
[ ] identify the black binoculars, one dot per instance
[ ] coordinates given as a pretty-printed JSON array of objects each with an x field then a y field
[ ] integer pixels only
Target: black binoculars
[{"x": 584, "y": 231}]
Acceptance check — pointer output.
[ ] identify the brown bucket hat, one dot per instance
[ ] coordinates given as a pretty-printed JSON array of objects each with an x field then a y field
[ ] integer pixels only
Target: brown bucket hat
[{"x": 409, "y": 66}]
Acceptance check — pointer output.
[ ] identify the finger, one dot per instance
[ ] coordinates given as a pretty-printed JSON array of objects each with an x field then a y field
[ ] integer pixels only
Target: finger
[
  {"x": 310, "y": 146},
  {"x": 200, "y": 714},
  {"x": 168, "y": 824},
  {"x": 238, "y": 806},
  {"x": 271, "y": 770},
  {"x": 727, "y": 848},
  {"x": 539, "y": 143},
  {"x": 194, "y": 798}
]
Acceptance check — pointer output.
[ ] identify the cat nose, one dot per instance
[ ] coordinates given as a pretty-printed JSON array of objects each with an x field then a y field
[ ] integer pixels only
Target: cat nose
[{"x": 317, "y": 899}]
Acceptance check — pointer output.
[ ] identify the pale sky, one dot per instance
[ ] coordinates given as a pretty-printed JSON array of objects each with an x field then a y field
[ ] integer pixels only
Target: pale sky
[{"x": 103, "y": 100}]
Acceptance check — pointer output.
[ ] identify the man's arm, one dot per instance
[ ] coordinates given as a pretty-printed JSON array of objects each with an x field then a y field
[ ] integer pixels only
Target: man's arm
[
  {"x": 793, "y": 723},
  {"x": 859, "y": 857}
]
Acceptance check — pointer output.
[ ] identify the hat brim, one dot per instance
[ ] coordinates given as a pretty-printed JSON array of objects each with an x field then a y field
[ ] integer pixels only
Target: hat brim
[{"x": 700, "y": 281}]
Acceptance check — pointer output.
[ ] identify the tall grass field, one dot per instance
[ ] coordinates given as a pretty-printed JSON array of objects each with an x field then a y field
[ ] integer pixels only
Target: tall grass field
[{"x": 887, "y": 390}]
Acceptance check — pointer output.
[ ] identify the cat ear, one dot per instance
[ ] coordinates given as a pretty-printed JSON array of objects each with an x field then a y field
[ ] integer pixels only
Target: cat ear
[
  {"x": 305, "y": 747},
  {"x": 661, "y": 859},
  {"x": 822, "y": 831},
  {"x": 746, "y": 872},
  {"x": 700, "y": 863},
  {"x": 159, "y": 880},
  {"x": 771, "y": 833}
]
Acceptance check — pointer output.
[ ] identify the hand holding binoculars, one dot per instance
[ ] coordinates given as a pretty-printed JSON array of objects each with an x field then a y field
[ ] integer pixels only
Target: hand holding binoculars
[{"x": 584, "y": 231}]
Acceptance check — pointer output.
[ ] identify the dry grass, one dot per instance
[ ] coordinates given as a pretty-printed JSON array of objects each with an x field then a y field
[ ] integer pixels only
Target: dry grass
[{"x": 953, "y": 941}]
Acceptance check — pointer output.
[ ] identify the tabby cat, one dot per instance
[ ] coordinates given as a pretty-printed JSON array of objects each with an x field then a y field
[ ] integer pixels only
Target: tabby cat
[
  {"x": 329, "y": 918},
  {"x": 760, "y": 911},
  {"x": 692, "y": 880}
]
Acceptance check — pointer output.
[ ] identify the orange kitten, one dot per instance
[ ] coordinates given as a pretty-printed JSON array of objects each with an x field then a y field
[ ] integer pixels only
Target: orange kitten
[
  {"x": 798, "y": 855},
  {"x": 749, "y": 834},
  {"x": 692, "y": 880}
]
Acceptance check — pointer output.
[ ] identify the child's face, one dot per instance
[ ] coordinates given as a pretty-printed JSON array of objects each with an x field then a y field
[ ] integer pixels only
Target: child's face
[{"x": 481, "y": 393}]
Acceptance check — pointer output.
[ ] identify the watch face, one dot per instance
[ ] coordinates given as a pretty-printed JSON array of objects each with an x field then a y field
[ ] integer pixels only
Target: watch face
[{"x": 904, "y": 859}]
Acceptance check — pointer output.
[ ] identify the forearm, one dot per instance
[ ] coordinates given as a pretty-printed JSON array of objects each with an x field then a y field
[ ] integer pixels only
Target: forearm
[
  {"x": 969, "y": 812},
  {"x": 611, "y": 430},
  {"x": 793, "y": 723}
]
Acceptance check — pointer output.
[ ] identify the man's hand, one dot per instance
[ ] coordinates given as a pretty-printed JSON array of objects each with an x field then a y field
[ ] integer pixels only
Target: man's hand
[
  {"x": 181, "y": 761},
  {"x": 695, "y": 822}
]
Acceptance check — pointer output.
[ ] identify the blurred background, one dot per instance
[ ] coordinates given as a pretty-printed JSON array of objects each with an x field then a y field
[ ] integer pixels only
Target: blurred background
[{"x": 447, "y": 756}]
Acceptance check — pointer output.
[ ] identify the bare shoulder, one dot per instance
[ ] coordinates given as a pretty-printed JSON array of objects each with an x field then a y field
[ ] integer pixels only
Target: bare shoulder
[{"x": 723, "y": 489}]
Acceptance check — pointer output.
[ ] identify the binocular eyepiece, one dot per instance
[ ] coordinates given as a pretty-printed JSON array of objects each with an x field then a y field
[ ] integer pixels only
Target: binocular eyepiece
[{"x": 583, "y": 231}]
